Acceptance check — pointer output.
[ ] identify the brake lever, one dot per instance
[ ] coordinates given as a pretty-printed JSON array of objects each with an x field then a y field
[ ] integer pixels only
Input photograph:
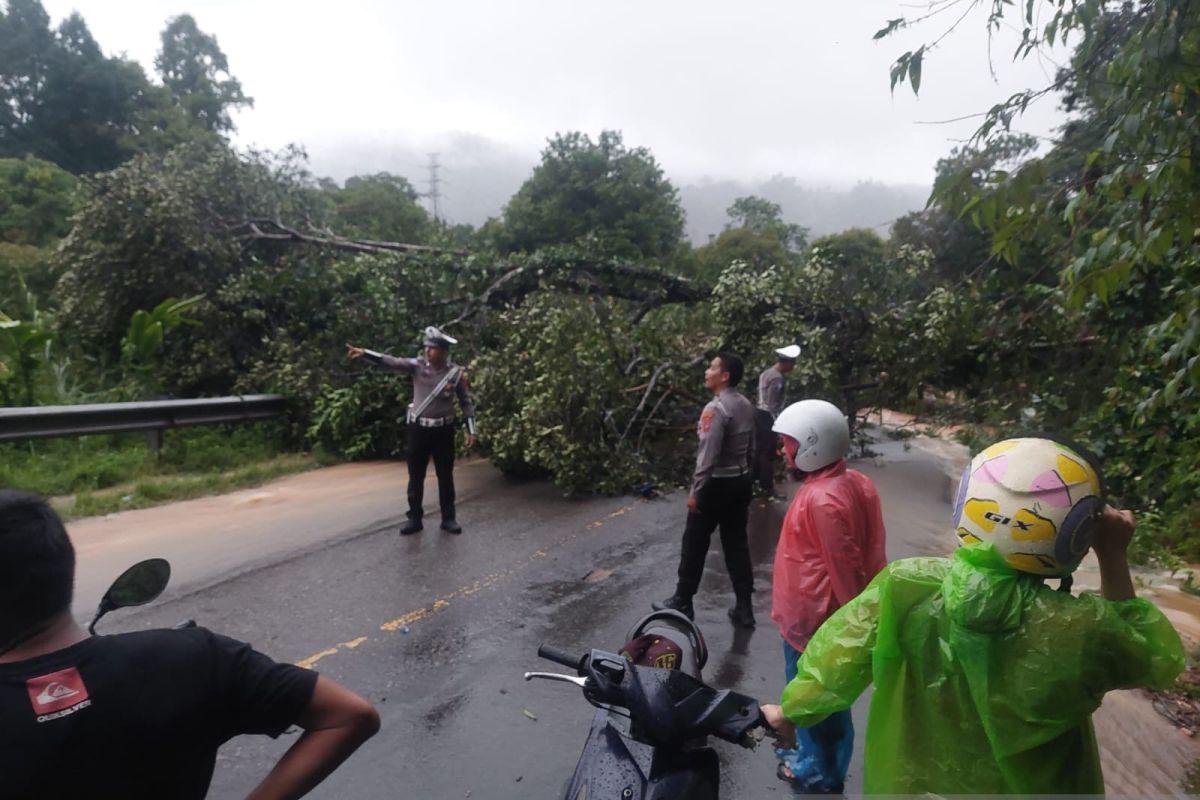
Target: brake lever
[{"x": 555, "y": 676}]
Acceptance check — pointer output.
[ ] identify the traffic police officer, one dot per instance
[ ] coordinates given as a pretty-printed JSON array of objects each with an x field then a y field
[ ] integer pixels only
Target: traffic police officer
[
  {"x": 436, "y": 381},
  {"x": 770, "y": 403},
  {"x": 721, "y": 490}
]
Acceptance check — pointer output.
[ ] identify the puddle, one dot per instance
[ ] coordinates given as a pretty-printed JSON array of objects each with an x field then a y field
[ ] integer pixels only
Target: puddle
[{"x": 1181, "y": 608}]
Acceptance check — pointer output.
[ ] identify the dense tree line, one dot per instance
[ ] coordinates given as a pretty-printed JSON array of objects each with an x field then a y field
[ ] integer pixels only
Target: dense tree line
[{"x": 1056, "y": 291}]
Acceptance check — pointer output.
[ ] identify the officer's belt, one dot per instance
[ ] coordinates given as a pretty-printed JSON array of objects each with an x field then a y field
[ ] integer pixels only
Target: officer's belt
[
  {"x": 730, "y": 472},
  {"x": 434, "y": 422}
]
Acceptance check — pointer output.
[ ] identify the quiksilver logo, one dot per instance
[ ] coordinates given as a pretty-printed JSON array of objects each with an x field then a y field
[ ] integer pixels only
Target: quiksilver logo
[
  {"x": 58, "y": 694},
  {"x": 55, "y": 691}
]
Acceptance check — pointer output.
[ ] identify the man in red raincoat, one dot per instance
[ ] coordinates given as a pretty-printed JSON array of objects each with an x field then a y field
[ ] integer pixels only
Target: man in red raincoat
[{"x": 831, "y": 546}]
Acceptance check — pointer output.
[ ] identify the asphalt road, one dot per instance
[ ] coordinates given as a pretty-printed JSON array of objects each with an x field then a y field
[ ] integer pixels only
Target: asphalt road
[{"x": 437, "y": 630}]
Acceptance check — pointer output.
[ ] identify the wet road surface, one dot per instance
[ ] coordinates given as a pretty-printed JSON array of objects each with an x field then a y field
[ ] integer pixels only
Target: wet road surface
[{"x": 437, "y": 630}]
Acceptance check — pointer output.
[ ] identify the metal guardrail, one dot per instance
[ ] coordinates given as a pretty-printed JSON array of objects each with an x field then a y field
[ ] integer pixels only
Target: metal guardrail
[{"x": 45, "y": 422}]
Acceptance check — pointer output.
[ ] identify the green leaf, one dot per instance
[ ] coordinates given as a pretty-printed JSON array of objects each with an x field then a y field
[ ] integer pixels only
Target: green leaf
[
  {"x": 892, "y": 26},
  {"x": 914, "y": 70},
  {"x": 900, "y": 69},
  {"x": 1131, "y": 124},
  {"x": 1051, "y": 29}
]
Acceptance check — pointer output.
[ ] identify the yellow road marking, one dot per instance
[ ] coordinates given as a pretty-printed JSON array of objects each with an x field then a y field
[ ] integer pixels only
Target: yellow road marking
[
  {"x": 407, "y": 619},
  {"x": 307, "y": 663},
  {"x": 441, "y": 603}
]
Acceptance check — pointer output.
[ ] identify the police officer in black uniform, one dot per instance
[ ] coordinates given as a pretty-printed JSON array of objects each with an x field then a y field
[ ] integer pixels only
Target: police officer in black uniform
[
  {"x": 721, "y": 492},
  {"x": 436, "y": 382}
]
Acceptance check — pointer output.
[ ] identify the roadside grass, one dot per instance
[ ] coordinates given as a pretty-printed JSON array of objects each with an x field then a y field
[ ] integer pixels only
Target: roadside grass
[
  {"x": 93, "y": 475},
  {"x": 166, "y": 489}
]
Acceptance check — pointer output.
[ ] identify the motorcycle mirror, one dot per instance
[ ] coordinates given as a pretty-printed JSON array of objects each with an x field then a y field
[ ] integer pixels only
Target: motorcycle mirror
[{"x": 138, "y": 585}]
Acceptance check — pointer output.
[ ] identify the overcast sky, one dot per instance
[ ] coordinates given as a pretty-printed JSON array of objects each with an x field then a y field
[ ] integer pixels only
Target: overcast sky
[{"x": 715, "y": 89}]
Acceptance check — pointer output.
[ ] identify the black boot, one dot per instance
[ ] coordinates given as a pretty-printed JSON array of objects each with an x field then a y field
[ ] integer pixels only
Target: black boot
[
  {"x": 412, "y": 526},
  {"x": 676, "y": 602},
  {"x": 742, "y": 614},
  {"x": 450, "y": 526}
]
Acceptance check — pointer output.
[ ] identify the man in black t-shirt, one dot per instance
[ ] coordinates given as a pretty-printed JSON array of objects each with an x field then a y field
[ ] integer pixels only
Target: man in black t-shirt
[{"x": 140, "y": 715}]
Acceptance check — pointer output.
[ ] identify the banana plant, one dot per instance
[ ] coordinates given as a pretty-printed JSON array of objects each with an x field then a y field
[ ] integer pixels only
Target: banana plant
[
  {"x": 147, "y": 330},
  {"x": 23, "y": 348}
]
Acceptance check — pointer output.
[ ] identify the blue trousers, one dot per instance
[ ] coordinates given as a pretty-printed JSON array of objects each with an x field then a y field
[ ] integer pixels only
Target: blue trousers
[{"x": 822, "y": 753}]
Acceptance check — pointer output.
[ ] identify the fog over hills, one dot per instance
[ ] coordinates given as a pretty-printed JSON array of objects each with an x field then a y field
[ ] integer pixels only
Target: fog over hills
[
  {"x": 821, "y": 209},
  {"x": 479, "y": 175}
]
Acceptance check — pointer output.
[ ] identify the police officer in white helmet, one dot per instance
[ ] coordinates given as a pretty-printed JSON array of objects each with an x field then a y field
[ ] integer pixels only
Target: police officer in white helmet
[
  {"x": 770, "y": 403},
  {"x": 436, "y": 382}
]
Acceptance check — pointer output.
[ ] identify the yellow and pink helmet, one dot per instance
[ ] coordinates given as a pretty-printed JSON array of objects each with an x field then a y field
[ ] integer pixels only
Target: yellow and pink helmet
[{"x": 1036, "y": 500}]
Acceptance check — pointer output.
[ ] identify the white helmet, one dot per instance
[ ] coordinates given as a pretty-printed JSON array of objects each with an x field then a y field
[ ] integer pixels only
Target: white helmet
[{"x": 820, "y": 428}]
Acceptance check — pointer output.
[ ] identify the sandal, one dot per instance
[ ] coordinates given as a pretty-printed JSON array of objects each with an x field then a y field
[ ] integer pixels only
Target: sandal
[{"x": 784, "y": 774}]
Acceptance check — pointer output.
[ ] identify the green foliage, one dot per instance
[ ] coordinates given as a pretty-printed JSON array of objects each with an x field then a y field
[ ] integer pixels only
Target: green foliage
[
  {"x": 24, "y": 266},
  {"x": 763, "y": 217},
  {"x": 615, "y": 199},
  {"x": 756, "y": 235},
  {"x": 116, "y": 473},
  {"x": 758, "y": 250},
  {"x": 36, "y": 201},
  {"x": 360, "y": 421},
  {"x": 380, "y": 207},
  {"x": 196, "y": 72},
  {"x": 1150, "y": 456},
  {"x": 574, "y": 390},
  {"x": 1131, "y": 205},
  {"x": 856, "y": 310},
  {"x": 141, "y": 343},
  {"x": 1114, "y": 208},
  {"x": 288, "y": 324},
  {"x": 172, "y": 226},
  {"x": 63, "y": 101},
  {"x": 24, "y": 347}
]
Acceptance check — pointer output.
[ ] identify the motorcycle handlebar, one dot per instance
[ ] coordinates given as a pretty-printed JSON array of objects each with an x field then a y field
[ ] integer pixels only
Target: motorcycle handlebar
[{"x": 551, "y": 653}]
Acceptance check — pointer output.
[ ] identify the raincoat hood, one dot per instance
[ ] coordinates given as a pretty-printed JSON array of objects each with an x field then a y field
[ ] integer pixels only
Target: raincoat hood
[{"x": 983, "y": 593}]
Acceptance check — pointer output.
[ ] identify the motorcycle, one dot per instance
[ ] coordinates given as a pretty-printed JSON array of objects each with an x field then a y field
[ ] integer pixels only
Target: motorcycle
[
  {"x": 140, "y": 584},
  {"x": 648, "y": 738}
]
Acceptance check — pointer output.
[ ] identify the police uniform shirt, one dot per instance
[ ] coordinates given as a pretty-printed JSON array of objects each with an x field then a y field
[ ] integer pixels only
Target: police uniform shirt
[
  {"x": 426, "y": 378},
  {"x": 726, "y": 431},
  {"x": 770, "y": 391}
]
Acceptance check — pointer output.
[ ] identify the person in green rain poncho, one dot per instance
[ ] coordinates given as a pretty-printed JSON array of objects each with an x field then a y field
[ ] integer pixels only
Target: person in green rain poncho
[{"x": 985, "y": 677}]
